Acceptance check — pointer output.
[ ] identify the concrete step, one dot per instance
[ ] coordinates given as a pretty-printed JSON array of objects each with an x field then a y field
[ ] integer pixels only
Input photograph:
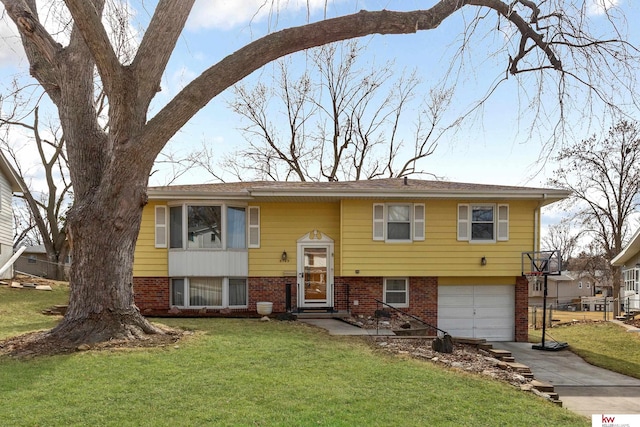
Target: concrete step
[
  {"x": 508, "y": 359},
  {"x": 470, "y": 341},
  {"x": 322, "y": 314},
  {"x": 518, "y": 367},
  {"x": 542, "y": 386},
  {"x": 499, "y": 354}
]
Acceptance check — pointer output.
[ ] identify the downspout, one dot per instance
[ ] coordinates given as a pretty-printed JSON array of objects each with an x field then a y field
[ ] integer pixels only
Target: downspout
[{"x": 536, "y": 225}]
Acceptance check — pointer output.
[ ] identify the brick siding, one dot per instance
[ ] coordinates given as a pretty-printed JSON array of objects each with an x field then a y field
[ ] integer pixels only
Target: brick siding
[
  {"x": 151, "y": 293},
  {"x": 152, "y": 298},
  {"x": 521, "y": 309},
  {"x": 423, "y": 296}
]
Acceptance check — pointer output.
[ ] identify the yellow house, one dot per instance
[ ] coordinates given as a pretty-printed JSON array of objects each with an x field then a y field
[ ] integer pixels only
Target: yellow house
[{"x": 449, "y": 253}]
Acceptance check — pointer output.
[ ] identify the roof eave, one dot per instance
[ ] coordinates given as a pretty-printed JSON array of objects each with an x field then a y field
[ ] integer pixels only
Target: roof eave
[
  {"x": 546, "y": 197},
  {"x": 629, "y": 251}
]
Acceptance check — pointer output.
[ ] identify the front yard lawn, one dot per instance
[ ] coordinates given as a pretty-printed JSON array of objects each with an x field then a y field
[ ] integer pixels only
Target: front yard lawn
[{"x": 243, "y": 372}]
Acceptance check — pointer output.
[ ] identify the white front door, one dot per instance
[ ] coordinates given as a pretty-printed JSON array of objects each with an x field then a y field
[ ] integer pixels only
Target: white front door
[{"x": 315, "y": 271}]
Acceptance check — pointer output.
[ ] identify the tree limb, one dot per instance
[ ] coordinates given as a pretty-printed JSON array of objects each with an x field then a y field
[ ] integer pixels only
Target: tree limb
[
  {"x": 87, "y": 19},
  {"x": 157, "y": 46}
]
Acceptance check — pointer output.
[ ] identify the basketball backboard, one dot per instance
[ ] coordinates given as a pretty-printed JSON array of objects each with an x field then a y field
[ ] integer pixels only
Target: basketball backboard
[{"x": 546, "y": 263}]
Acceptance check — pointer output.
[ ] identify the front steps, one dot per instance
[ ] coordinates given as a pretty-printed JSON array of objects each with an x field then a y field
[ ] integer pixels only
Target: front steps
[
  {"x": 314, "y": 313},
  {"x": 539, "y": 387}
]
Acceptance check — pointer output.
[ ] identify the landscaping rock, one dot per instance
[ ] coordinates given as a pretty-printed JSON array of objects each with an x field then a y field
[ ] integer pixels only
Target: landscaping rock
[
  {"x": 443, "y": 345},
  {"x": 286, "y": 316}
]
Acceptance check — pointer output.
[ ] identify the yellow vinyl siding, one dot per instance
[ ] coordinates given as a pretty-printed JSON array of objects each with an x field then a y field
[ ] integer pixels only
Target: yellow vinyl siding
[
  {"x": 149, "y": 261},
  {"x": 440, "y": 254},
  {"x": 281, "y": 225}
]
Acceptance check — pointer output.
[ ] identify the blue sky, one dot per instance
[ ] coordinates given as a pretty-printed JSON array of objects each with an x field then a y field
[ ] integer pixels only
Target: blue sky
[{"x": 495, "y": 146}]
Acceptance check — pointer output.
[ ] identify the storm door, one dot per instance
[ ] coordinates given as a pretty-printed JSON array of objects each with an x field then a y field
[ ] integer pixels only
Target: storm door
[{"x": 315, "y": 279}]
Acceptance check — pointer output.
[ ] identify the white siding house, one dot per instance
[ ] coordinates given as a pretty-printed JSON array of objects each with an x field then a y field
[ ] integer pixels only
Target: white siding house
[
  {"x": 8, "y": 185},
  {"x": 629, "y": 261}
]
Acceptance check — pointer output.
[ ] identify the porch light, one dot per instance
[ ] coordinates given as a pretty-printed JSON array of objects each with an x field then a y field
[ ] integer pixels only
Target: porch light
[
  {"x": 284, "y": 257},
  {"x": 483, "y": 260}
]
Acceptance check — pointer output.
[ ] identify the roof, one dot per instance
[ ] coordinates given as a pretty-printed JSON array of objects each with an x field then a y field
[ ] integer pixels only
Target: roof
[
  {"x": 389, "y": 188},
  {"x": 630, "y": 250},
  {"x": 10, "y": 174},
  {"x": 37, "y": 249}
]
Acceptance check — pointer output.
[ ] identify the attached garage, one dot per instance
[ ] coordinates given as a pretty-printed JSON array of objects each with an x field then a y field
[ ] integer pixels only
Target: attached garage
[{"x": 478, "y": 311}]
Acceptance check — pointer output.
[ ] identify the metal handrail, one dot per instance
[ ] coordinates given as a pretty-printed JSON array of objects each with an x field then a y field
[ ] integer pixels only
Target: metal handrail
[{"x": 410, "y": 315}]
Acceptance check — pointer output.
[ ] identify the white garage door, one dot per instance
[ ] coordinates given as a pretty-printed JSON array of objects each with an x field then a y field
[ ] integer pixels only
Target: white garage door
[{"x": 477, "y": 311}]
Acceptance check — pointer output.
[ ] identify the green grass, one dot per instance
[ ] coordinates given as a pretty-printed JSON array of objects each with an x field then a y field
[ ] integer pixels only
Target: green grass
[
  {"x": 20, "y": 309},
  {"x": 606, "y": 345},
  {"x": 243, "y": 372}
]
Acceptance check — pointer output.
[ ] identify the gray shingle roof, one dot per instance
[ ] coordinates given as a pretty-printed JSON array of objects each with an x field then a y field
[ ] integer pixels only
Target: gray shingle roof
[{"x": 389, "y": 187}]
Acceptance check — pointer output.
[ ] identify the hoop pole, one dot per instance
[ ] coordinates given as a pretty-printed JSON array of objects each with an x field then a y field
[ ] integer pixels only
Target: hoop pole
[{"x": 544, "y": 311}]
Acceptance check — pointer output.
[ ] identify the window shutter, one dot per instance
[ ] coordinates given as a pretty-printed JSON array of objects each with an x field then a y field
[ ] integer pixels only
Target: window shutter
[
  {"x": 463, "y": 222},
  {"x": 418, "y": 221},
  {"x": 254, "y": 226},
  {"x": 378, "y": 222},
  {"x": 503, "y": 222},
  {"x": 161, "y": 227}
]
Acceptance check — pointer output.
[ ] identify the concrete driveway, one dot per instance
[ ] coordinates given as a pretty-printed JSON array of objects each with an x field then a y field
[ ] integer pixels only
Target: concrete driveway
[{"x": 583, "y": 388}]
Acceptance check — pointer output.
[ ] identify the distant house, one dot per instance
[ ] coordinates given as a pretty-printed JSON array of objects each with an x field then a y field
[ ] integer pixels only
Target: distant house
[
  {"x": 563, "y": 291},
  {"x": 449, "y": 253},
  {"x": 629, "y": 261},
  {"x": 9, "y": 185},
  {"x": 34, "y": 261}
]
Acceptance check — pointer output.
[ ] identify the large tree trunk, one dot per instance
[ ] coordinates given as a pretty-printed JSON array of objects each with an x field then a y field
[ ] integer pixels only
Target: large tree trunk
[{"x": 104, "y": 229}]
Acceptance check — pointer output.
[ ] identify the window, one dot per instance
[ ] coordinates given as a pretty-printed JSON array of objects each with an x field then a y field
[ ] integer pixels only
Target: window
[
  {"x": 204, "y": 227},
  {"x": 537, "y": 285},
  {"x": 207, "y": 227},
  {"x": 217, "y": 292},
  {"x": 175, "y": 227},
  {"x": 237, "y": 292},
  {"x": 396, "y": 292},
  {"x": 398, "y": 222},
  {"x": 483, "y": 222},
  {"x": 236, "y": 228},
  {"x": 32, "y": 259},
  {"x": 631, "y": 279}
]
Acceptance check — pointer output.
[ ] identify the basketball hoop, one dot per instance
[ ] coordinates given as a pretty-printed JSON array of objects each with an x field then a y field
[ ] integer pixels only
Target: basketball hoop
[{"x": 538, "y": 264}]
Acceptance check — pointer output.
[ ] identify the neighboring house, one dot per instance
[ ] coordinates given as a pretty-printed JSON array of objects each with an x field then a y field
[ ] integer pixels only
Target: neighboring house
[
  {"x": 629, "y": 261},
  {"x": 563, "y": 291},
  {"x": 9, "y": 184},
  {"x": 34, "y": 261},
  {"x": 449, "y": 253}
]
